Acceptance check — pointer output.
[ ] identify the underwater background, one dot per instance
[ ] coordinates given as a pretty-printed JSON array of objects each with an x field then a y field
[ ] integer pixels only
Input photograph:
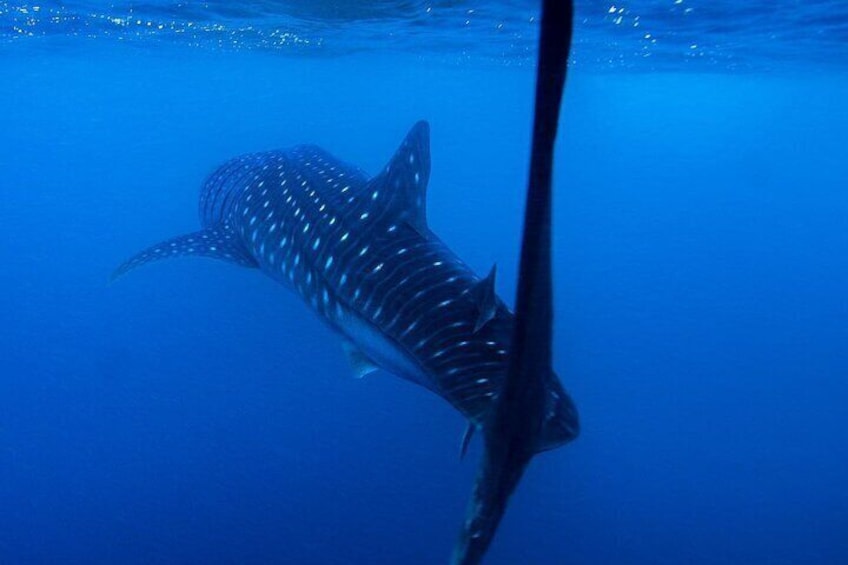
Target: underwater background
[{"x": 196, "y": 412}]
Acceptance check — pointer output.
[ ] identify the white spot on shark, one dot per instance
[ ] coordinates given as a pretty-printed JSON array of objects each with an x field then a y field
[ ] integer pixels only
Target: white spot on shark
[{"x": 411, "y": 327}]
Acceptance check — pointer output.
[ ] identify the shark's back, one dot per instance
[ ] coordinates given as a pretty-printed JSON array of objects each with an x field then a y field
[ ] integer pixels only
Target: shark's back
[{"x": 221, "y": 190}]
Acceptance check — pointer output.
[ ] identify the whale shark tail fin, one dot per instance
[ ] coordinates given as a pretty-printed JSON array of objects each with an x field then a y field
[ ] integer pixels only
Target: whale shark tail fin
[{"x": 217, "y": 242}]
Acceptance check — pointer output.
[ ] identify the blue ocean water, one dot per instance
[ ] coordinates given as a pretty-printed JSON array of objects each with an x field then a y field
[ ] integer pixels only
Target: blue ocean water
[{"x": 195, "y": 412}]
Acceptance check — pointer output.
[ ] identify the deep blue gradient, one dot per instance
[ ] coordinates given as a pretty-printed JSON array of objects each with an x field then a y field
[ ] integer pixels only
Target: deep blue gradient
[{"x": 195, "y": 412}]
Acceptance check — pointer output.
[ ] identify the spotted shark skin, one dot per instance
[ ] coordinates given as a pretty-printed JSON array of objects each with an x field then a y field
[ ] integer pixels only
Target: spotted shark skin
[{"x": 358, "y": 251}]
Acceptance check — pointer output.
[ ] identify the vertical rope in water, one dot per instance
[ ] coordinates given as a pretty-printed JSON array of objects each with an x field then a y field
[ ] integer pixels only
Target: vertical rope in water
[{"x": 534, "y": 302}]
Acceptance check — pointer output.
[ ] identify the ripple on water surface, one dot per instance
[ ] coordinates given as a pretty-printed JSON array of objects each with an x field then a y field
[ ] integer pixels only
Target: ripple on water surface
[{"x": 639, "y": 35}]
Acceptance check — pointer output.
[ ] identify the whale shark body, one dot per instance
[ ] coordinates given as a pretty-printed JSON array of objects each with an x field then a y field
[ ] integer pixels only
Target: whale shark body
[{"x": 359, "y": 252}]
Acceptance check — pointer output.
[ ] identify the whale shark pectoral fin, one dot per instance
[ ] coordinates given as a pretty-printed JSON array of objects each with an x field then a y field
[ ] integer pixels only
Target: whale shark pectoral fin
[
  {"x": 359, "y": 362},
  {"x": 217, "y": 242},
  {"x": 486, "y": 300},
  {"x": 466, "y": 439},
  {"x": 402, "y": 185}
]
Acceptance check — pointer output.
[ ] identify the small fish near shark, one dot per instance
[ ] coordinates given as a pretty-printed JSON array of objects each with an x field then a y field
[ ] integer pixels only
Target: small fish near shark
[{"x": 359, "y": 252}]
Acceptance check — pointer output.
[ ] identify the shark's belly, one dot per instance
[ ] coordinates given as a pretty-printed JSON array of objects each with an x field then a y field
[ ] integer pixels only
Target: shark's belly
[{"x": 380, "y": 349}]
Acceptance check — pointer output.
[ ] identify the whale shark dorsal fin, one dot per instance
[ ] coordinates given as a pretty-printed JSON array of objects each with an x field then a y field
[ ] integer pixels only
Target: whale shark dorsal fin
[
  {"x": 217, "y": 241},
  {"x": 486, "y": 299},
  {"x": 402, "y": 184},
  {"x": 360, "y": 364}
]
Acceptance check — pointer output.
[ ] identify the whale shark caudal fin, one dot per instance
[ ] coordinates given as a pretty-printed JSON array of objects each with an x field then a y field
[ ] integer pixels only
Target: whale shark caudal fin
[
  {"x": 513, "y": 431},
  {"x": 404, "y": 179},
  {"x": 218, "y": 242}
]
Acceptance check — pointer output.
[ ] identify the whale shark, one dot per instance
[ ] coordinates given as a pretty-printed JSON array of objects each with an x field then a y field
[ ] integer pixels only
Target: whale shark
[{"x": 359, "y": 252}]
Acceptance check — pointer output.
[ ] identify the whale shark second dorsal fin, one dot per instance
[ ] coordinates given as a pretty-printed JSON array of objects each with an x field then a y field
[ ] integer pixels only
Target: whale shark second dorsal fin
[
  {"x": 486, "y": 300},
  {"x": 402, "y": 184},
  {"x": 218, "y": 242}
]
